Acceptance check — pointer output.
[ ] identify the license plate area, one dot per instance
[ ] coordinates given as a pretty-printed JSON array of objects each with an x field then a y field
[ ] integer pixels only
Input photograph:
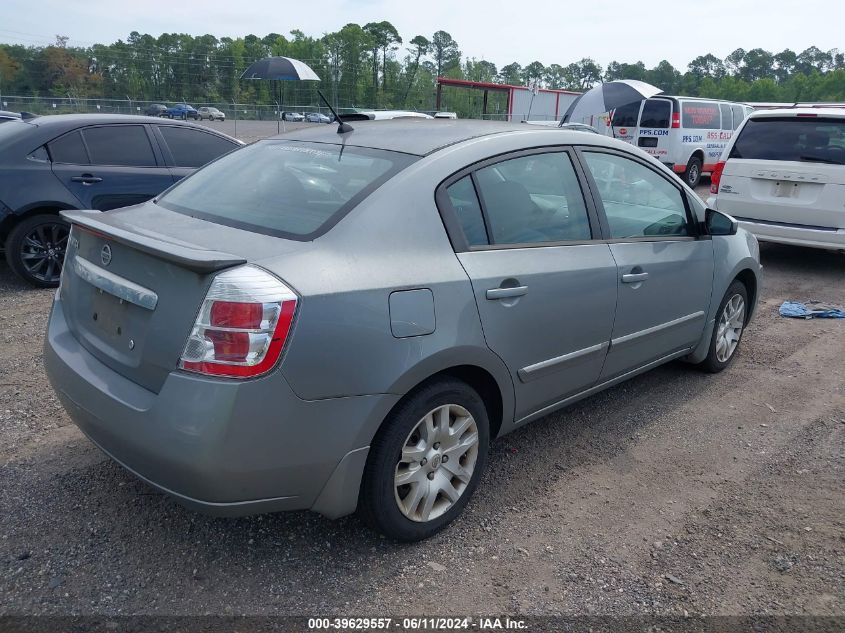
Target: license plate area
[
  {"x": 109, "y": 315},
  {"x": 786, "y": 189}
]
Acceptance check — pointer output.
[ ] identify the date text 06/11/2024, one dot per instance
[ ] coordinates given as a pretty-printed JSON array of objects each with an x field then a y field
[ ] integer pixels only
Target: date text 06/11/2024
[{"x": 417, "y": 623}]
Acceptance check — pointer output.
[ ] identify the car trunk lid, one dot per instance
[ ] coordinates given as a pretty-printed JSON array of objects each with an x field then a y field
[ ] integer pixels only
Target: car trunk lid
[{"x": 131, "y": 295}]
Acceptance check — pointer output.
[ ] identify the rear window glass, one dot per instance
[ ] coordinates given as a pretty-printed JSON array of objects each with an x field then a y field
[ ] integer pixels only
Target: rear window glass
[
  {"x": 123, "y": 145},
  {"x": 284, "y": 188},
  {"x": 657, "y": 113},
  {"x": 700, "y": 115},
  {"x": 795, "y": 139},
  {"x": 626, "y": 116},
  {"x": 69, "y": 149}
]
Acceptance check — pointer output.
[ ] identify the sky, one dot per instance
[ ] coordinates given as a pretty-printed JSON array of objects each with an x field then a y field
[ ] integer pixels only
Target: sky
[{"x": 501, "y": 32}]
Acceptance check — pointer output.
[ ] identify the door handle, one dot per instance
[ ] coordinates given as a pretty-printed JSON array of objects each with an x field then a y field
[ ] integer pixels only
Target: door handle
[
  {"x": 506, "y": 293},
  {"x": 87, "y": 179},
  {"x": 633, "y": 278}
]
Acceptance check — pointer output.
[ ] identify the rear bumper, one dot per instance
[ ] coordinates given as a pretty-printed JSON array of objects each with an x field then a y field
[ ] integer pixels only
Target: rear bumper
[
  {"x": 795, "y": 235},
  {"x": 219, "y": 446}
]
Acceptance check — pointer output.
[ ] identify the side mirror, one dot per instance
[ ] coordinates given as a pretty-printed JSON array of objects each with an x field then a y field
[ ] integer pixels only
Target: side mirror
[{"x": 718, "y": 223}]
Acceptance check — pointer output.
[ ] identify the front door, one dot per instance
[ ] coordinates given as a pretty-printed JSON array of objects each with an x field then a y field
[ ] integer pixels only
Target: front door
[
  {"x": 109, "y": 166},
  {"x": 664, "y": 270},
  {"x": 546, "y": 293}
]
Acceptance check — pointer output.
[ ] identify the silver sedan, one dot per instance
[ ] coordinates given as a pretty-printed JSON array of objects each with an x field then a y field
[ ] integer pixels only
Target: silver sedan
[{"x": 345, "y": 321}]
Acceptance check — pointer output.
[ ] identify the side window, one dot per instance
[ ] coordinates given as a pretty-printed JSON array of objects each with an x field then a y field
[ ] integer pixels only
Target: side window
[
  {"x": 533, "y": 198},
  {"x": 465, "y": 203},
  {"x": 121, "y": 145},
  {"x": 726, "y": 116},
  {"x": 700, "y": 115},
  {"x": 657, "y": 113},
  {"x": 68, "y": 149},
  {"x": 194, "y": 148},
  {"x": 739, "y": 115},
  {"x": 638, "y": 202}
]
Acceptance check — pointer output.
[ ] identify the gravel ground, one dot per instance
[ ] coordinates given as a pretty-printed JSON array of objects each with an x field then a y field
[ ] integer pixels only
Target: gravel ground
[{"x": 675, "y": 493}]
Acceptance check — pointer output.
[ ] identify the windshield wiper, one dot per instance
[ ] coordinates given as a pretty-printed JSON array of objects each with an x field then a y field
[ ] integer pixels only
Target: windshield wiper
[{"x": 819, "y": 159}]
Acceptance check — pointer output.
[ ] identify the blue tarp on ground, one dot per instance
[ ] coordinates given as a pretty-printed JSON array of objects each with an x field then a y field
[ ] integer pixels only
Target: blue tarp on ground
[{"x": 797, "y": 310}]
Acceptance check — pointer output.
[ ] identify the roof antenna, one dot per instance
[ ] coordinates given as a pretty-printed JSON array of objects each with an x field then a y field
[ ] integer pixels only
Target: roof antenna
[{"x": 342, "y": 128}]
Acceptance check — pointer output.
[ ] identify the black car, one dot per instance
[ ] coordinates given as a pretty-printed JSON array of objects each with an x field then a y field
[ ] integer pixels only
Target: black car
[
  {"x": 86, "y": 161},
  {"x": 156, "y": 109}
]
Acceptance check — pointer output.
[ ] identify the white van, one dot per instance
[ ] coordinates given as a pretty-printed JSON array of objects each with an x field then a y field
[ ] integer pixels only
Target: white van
[
  {"x": 783, "y": 177},
  {"x": 687, "y": 134}
]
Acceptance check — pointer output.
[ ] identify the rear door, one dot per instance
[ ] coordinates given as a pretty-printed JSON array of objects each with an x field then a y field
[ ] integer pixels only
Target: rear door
[
  {"x": 787, "y": 169},
  {"x": 187, "y": 148},
  {"x": 653, "y": 132},
  {"x": 109, "y": 166},
  {"x": 545, "y": 290},
  {"x": 664, "y": 270},
  {"x": 702, "y": 133}
]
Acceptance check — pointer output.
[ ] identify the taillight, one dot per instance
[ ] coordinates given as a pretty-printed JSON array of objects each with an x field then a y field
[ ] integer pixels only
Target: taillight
[
  {"x": 716, "y": 176},
  {"x": 676, "y": 120},
  {"x": 242, "y": 326}
]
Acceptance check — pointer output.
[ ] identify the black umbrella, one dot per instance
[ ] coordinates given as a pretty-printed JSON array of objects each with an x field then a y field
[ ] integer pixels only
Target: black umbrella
[
  {"x": 609, "y": 96},
  {"x": 280, "y": 69}
]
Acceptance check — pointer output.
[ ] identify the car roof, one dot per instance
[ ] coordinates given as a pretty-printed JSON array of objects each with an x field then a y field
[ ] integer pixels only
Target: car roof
[
  {"x": 796, "y": 112},
  {"x": 410, "y": 136}
]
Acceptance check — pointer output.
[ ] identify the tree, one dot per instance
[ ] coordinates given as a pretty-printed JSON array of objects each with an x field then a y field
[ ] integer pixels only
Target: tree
[
  {"x": 734, "y": 61},
  {"x": 533, "y": 72},
  {"x": 445, "y": 52},
  {"x": 758, "y": 64},
  {"x": 511, "y": 74},
  {"x": 707, "y": 66},
  {"x": 583, "y": 74},
  {"x": 421, "y": 46}
]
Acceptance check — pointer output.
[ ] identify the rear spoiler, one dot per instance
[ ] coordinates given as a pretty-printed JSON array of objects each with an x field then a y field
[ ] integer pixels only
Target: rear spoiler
[{"x": 188, "y": 256}]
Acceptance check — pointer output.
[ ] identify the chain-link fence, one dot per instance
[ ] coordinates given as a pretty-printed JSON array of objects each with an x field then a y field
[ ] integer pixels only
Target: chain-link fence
[{"x": 67, "y": 105}]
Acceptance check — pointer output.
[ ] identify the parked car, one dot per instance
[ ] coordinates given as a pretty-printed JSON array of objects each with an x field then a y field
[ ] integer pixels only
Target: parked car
[
  {"x": 445, "y": 115},
  {"x": 293, "y": 116},
  {"x": 484, "y": 274},
  {"x": 687, "y": 134},
  {"x": 156, "y": 109},
  {"x": 212, "y": 114},
  {"x": 783, "y": 177},
  {"x": 5, "y": 115},
  {"x": 86, "y": 161},
  {"x": 317, "y": 117},
  {"x": 182, "y": 111}
]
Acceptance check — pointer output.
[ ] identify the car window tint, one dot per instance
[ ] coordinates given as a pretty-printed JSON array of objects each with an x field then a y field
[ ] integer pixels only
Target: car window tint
[
  {"x": 700, "y": 115},
  {"x": 808, "y": 139},
  {"x": 738, "y": 115},
  {"x": 68, "y": 149},
  {"x": 288, "y": 188},
  {"x": 637, "y": 201},
  {"x": 124, "y": 145},
  {"x": 465, "y": 203},
  {"x": 727, "y": 117},
  {"x": 626, "y": 115},
  {"x": 532, "y": 199},
  {"x": 194, "y": 148},
  {"x": 657, "y": 113}
]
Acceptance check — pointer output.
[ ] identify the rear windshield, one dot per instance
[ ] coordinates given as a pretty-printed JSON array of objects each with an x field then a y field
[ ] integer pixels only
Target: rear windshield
[
  {"x": 626, "y": 115},
  {"x": 656, "y": 113},
  {"x": 811, "y": 140},
  {"x": 284, "y": 188}
]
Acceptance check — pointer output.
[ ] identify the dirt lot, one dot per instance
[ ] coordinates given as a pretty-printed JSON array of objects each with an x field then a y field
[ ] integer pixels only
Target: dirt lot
[{"x": 675, "y": 492}]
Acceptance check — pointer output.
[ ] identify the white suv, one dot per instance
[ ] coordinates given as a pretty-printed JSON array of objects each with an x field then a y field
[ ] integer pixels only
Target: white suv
[{"x": 783, "y": 177}]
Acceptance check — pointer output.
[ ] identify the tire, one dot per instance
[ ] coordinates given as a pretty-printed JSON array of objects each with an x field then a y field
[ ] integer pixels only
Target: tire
[
  {"x": 692, "y": 174},
  {"x": 717, "y": 360},
  {"x": 437, "y": 457},
  {"x": 35, "y": 249}
]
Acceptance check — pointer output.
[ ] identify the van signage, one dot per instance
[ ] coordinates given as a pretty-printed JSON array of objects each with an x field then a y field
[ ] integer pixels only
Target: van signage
[{"x": 656, "y": 132}]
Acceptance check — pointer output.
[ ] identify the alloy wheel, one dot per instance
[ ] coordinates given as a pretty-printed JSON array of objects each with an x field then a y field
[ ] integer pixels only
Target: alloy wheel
[
  {"x": 436, "y": 463},
  {"x": 729, "y": 328},
  {"x": 42, "y": 251}
]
